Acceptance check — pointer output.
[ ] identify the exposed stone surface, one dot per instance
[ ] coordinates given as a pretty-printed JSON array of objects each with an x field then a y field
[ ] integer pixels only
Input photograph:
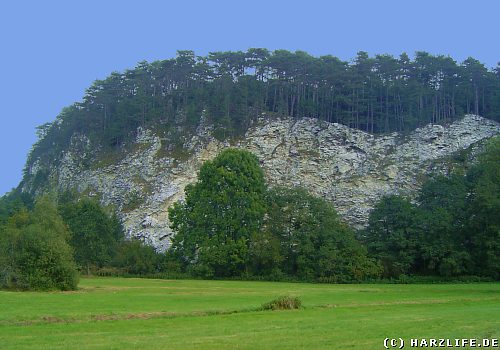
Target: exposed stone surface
[{"x": 349, "y": 167}]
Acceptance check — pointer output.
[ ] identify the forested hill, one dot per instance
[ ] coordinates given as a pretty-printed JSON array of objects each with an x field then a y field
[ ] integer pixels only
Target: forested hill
[{"x": 376, "y": 94}]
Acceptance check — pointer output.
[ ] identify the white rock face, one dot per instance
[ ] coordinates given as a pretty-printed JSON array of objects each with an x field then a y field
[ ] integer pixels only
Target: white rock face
[{"x": 348, "y": 167}]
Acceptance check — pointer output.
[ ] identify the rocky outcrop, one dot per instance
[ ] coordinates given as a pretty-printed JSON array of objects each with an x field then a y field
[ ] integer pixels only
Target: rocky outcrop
[{"x": 348, "y": 167}]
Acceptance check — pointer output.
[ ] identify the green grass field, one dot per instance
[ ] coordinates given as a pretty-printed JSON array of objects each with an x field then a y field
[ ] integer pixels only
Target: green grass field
[{"x": 118, "y": 313}]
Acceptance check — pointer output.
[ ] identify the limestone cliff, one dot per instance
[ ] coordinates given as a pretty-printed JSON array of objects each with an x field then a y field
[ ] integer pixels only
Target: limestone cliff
[{"x": 349, "y": 167}]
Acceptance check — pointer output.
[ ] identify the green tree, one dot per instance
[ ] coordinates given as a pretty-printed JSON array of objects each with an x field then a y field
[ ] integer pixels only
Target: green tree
[
  {"x": 94, "y": 234},
  {"x": 453, "y": 230},
  {"x": 442, "y": 205},
  {"x": 391, "y": 235},
  {"x": 137, "y": 258},
  {"x": 482, "y": 229},
  {"x": 266, "y": 256},
  {"x": 221, "y": 212},
  {"x": 314, "y": 242},
  {"x": 12, "y": 202},
  {"x": 34, "y": 250}
]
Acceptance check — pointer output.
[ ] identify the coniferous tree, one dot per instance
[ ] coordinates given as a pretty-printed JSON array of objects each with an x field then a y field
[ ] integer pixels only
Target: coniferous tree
[{"x": 230, "y": 89}]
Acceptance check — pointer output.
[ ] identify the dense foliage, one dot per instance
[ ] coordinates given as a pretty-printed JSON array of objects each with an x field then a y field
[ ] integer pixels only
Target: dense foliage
[
  {"x": 135, "y": 258},
  {"x": 375, "y": 94},
  {"x": 304, "y": 237},
  {"x": 34, "y": 250},
  {"x": 453, "y": 229},
  {"x": 13, "y": 202},
  {"x": 94, "y": 234},
  {"x": 230, "y": 226},
  {"x": 221, "y": 213},
  {"x": 41, "y": 247}
]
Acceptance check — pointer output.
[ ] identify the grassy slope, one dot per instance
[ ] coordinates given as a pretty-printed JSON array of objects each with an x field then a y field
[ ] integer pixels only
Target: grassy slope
[{"x": 117, "y": 313}]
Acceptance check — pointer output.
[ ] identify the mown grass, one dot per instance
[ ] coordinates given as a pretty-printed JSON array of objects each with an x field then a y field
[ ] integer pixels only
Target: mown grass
[{"x": 117, "y": 313}]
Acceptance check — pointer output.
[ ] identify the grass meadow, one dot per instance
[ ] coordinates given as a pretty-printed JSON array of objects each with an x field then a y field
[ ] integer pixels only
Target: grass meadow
[{"x": 129, "y": 313}]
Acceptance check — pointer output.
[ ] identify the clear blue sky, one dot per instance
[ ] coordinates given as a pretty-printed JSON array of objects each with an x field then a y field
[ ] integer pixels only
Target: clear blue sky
[{"x": 51, "y": 51}]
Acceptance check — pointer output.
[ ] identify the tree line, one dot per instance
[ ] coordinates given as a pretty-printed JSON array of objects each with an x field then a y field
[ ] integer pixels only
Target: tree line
[
  {"x": 231, "y": 225},
  {"x": 47, "y": 243},
  {"x": 376, "y": 94}
]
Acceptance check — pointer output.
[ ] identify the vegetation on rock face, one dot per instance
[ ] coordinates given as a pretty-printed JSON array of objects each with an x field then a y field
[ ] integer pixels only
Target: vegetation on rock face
[
  {"x": 376, "y": 94},
  {"x": 34, "y": 250},
  {"x": 231, "y": 225},
  {"x": 452, "y": 230}
]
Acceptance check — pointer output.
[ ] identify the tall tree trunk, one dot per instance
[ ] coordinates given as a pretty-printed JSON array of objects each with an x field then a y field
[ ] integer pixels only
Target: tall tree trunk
[
  {"x": 476, "y": 100},
  {"x": 387, "y": 109}
]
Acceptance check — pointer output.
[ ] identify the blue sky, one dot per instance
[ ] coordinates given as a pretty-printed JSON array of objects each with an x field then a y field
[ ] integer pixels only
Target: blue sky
[{"x": 51, "y": 51}]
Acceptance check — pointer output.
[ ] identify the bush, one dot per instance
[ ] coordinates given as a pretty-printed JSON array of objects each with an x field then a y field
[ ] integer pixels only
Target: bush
[
  {"x": 283, "y": 303},
  {"x": 134, "y": 257}
]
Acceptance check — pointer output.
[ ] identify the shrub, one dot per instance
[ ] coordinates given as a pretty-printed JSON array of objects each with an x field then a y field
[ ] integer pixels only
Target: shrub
[
  {"x": 283, "y": 303},
  {"x": 134, "y": 257}
]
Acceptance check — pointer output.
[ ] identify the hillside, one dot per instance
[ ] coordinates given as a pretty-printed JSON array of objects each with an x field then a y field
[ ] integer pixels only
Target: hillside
[
  {"x": 229, "y": 90},
  {"x": 349, "y": 167},
  {"x": 350, "y": 132}
]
